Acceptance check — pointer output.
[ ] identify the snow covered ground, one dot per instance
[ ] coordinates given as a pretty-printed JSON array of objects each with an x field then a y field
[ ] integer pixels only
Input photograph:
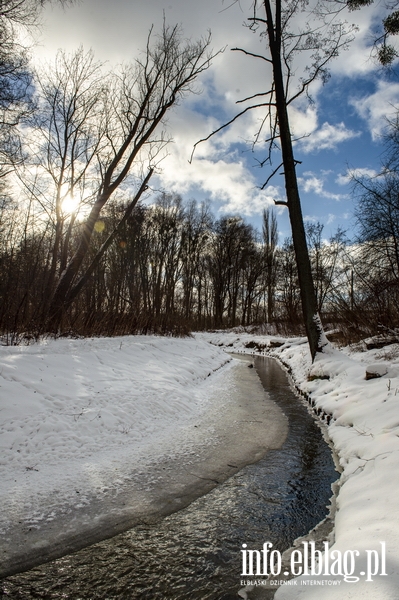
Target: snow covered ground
[
  {"x": 69, "y": 399},
  {"x": 364, "y": 429},
  {"x": 80, "y": 420},
  {"x": 98, "y": 433}
]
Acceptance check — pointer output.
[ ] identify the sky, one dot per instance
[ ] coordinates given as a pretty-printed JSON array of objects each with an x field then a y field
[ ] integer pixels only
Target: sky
[{"x": 340, "y": 131}]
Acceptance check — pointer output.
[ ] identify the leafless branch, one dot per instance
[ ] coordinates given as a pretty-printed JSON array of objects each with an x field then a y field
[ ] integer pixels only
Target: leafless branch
[
  {"x": 252, "y": 54},
  {"x": 226, "y": 125}
]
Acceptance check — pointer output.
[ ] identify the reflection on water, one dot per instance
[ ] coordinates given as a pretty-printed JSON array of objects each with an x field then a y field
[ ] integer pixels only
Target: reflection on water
[{"x": 195, "y": 553}]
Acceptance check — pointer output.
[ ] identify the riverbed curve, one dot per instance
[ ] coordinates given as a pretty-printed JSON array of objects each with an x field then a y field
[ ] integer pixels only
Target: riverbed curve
[{"x": 236, "y": 432}]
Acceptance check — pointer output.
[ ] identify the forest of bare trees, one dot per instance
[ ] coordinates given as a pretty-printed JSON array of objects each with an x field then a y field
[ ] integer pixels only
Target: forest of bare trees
[{"x": 172, "y": 267}]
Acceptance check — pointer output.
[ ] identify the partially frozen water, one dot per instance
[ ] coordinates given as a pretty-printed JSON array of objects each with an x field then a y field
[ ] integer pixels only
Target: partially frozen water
[{"x": 195, "y": 553}]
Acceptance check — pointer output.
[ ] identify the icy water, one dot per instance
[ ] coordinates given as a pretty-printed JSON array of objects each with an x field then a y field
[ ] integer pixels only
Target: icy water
[{"x": 195, "y": 553}]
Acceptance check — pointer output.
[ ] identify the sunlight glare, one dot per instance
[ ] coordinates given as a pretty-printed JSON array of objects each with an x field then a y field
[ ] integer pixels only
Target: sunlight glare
[{"x": 70, "y": 204}]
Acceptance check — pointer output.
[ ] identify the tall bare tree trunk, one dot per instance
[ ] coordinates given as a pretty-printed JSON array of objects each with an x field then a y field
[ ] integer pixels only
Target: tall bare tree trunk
[{"x": 314, "y": 330}]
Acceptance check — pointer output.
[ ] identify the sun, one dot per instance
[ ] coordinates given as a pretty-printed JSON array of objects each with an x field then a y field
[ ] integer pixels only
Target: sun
[
  {"x": 70, "y": 204},
  {"x": 75, "y": 201}
]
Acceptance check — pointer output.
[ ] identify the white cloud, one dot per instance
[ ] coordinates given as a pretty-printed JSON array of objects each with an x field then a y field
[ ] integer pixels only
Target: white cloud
[
  {"x": 357, "y": 173},
  {"x": 230, "y": 184},
  {"x": 331, "y": 218},
  {"x": 378, "y": 107},
  {"x": 310, "y": 219},
  {"x": 218, "y": 170},
  {"x": 303, "y": 120},
  {"x": 312, "y": 184},
  {"x": 117, "y": 30},
  {"x": 357, "y": 59},
  {"x": 326, "y": 220},
  {"x": 310, "y": 136},
  {"x": 327, "y": 137}
]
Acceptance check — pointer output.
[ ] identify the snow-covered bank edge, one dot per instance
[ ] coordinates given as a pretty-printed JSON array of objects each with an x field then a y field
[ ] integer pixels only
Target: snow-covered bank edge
[{"x": 361, "y": 416}]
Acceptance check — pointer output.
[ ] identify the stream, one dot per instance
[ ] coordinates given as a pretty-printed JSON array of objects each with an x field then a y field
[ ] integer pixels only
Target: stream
[{"x": 195, "y": 553}]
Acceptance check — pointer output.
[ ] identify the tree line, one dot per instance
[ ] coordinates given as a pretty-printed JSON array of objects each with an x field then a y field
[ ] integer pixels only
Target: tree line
[{"x": 172, "y": 267}]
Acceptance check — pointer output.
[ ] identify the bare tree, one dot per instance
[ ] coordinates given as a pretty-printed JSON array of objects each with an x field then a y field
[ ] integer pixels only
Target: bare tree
[
  {"x": 287, "y": 29},
  {"x": 252, "y": 270},
  {"x": 377, "y": 213},
  {"x": 229, "y": 249},
  {"x": 15, "y": 74},
  {"x": 287, "y": 286},
  {"x": 66, "y": 135},
  {"x": 195, "y": 234},
  {"x": 324, "y": 257},
  {"x": 270, "y": 239},
  {"x": 125, "y": 145},
  {"x": 377, "y": 209}
]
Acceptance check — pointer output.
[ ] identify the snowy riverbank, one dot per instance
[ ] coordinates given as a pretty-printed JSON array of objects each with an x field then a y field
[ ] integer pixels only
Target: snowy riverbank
[
  {"x": 97, "y": 434},
  {"x": 364, "y": 428}
]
